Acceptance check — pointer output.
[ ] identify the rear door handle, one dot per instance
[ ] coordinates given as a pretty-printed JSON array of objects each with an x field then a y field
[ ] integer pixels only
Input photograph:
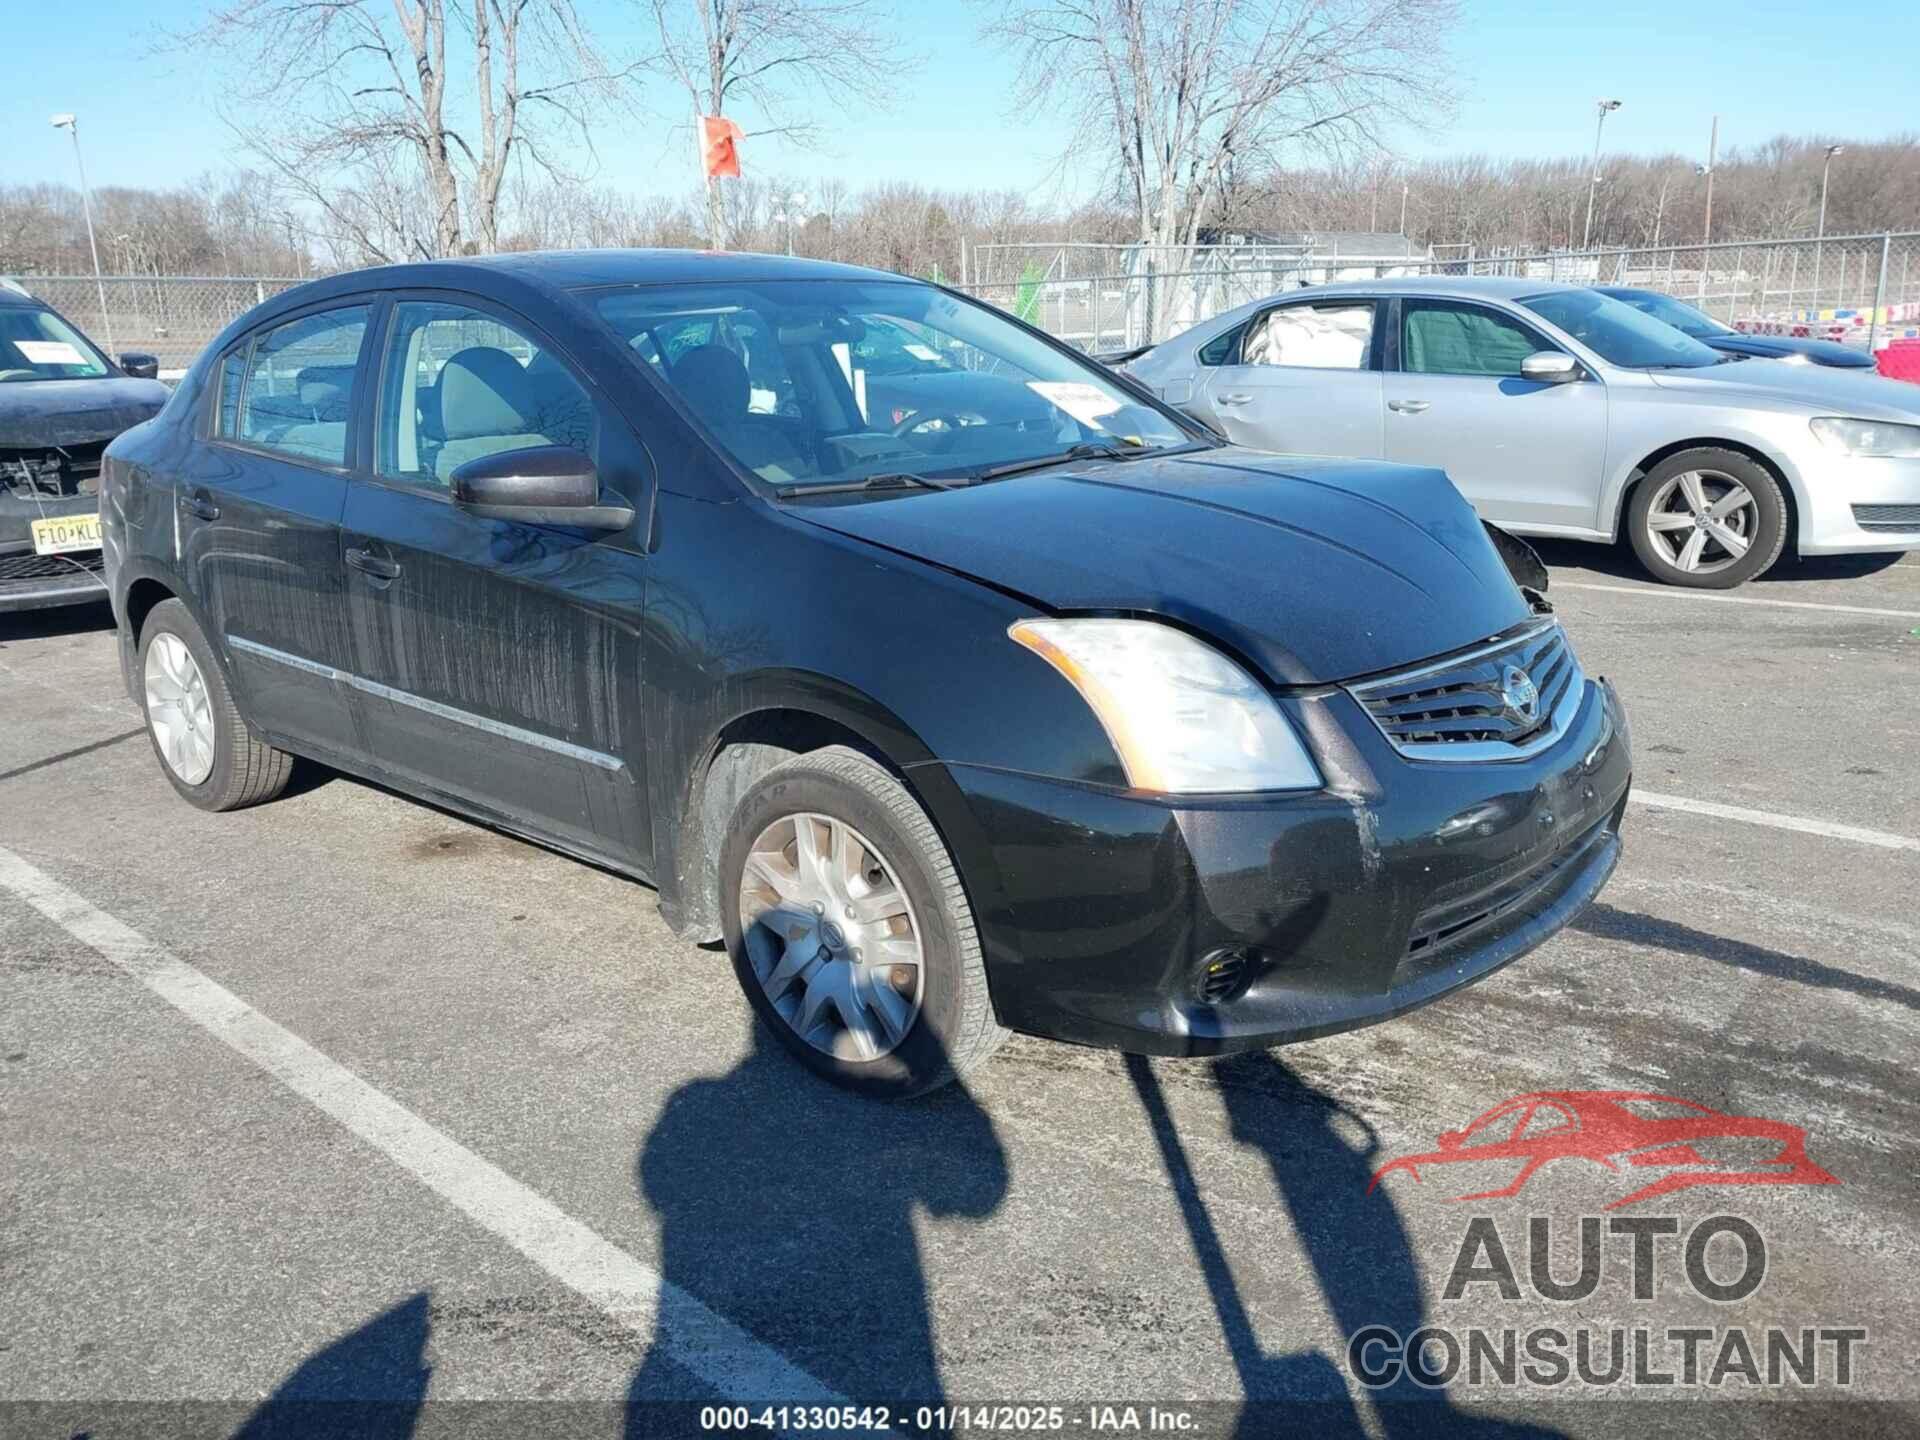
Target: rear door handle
[
  {"x": 201, "y": 504},
  {"x": 1408, "y": 407},
  {"x": 1234, "y": 399},
  {"x": 381, "y": 567}
]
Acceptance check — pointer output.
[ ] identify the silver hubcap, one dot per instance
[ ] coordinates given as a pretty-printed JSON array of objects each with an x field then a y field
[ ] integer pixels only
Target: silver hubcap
[
  {"x": 178, "y": 709},
  {"x": 1703, "y": 521},
  {"x": 831, "y": 936}
]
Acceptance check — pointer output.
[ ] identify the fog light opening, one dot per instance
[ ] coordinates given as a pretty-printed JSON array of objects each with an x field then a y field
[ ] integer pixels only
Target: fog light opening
[{"x": 1223, "y": 977}]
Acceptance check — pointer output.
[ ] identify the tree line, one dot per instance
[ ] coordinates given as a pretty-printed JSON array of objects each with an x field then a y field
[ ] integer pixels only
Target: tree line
[{"x": 373, "y": 131}]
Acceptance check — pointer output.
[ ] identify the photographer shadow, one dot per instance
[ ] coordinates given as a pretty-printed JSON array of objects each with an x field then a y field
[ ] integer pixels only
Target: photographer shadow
[
  {"x": 1356, "y": 1244},
  {"x": 788, "y": 1206}
]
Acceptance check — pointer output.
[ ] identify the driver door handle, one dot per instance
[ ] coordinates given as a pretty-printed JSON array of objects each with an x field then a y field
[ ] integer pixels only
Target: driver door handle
[
  {"x": 1408, "y": 407},
  {"x": 1234, "y": 399},
  {"x": 381, "y": 567}
]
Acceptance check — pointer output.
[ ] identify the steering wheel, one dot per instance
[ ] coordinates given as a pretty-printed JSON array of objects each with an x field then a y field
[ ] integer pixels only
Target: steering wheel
[{"x": 921, "y": 418}]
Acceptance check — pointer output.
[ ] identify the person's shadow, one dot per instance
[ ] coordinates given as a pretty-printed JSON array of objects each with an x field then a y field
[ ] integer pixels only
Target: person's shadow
[
  {"x": 367, "y": 1385},
  {"x": 1356, "y": 1243},
  {"x": 788, "y": 1206}
]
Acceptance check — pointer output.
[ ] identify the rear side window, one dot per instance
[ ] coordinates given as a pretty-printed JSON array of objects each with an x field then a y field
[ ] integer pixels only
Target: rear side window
[
  {"x": 458, "y": 384},
  {"x": 1316, "y": 337},
  {"x": 1441, "y": 339},
  {"x": 1220, "y": 349},
  {"x": 298, "y": 394}
]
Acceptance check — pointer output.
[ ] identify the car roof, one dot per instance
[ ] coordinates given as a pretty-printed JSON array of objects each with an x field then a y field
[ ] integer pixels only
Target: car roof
[
  {"x": 1446, "y": 287},
  {"x": 563, "y": 270}
]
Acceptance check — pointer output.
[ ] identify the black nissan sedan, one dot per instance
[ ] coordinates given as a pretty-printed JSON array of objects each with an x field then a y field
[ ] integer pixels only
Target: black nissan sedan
[
  {"x": 1689, "y": 320},
  {"x": 1061, "y": 716}
]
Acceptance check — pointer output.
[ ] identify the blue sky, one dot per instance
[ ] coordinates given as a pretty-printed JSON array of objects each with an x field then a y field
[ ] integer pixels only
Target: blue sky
[{"x": 1529, "y": 71}]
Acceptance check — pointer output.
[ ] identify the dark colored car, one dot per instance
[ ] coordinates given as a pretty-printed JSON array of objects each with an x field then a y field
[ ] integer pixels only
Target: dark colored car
[
  {"x": 1073, "y": 721},
  {"x": 1689, "y": 320},
  {"x": 61, "y": 401}
]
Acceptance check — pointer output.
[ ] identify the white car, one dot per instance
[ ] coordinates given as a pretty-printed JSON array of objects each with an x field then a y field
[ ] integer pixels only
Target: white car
[{"x": 1559, "y": 411}]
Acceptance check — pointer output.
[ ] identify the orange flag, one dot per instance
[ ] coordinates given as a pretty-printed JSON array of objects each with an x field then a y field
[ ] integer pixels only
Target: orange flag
[{"x": 719, "y": 146}]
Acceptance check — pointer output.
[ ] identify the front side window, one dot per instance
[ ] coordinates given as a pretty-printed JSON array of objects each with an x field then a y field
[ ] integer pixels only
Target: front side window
[
  {"x": 1443, "y": 339},
  {"x": 233, "y": 377},
  {"x": 458, "y": 384},
  {"x": 38, "y": 345},
  {"x": 1317, "y": 337},
  {"x": 1620, "y": 334},
  {"x": 822, "y": 381},
  {"x": 298, "y": 394}
]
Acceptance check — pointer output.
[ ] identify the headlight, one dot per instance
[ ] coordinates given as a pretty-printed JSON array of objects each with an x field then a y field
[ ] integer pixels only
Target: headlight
[
  {"x": 1875, "y": 438},
  {"x": 1183, "y": 718}
]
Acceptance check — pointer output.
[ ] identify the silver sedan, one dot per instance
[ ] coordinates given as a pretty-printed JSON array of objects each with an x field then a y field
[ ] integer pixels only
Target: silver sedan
[{"x": 1559, "y": 411}]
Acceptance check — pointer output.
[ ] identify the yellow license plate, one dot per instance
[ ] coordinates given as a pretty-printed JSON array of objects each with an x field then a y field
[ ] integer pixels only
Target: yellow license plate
[{"x": 65, "y": 533}]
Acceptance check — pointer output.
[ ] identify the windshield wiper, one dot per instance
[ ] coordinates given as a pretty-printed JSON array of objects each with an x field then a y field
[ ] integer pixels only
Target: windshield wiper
[
  {"x": 870, "y": 483},
  {"x": 1087, "y": 450}
]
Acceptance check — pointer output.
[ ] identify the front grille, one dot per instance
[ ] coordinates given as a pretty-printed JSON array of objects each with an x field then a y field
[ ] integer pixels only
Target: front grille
[
  {"x": 58, "y": 471},
  {"x": 1887, "y": 519},
  {"x": 1508, "y": 897},
  {"x": 1462, "y": 708},
  {"x": 49, "y": 567}
]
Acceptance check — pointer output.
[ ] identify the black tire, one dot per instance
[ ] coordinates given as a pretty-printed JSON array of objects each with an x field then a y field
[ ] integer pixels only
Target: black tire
[
  {"x": 246, "y": 770},
  {"x": 955, "y": 1030},
  {"x": 1767, "y": 532}
]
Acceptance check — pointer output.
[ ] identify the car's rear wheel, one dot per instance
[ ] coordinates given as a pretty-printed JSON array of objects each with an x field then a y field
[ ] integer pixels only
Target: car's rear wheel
[
  {"x": 849, "y": 929},
  {"x": 205, "y": 748},
  {"x": 1709, "y": 519}
]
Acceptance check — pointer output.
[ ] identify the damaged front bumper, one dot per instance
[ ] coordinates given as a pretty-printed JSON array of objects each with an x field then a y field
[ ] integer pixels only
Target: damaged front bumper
[
  {"x": 1107, "y": 917},
  {"x": 47, "y": 484}
]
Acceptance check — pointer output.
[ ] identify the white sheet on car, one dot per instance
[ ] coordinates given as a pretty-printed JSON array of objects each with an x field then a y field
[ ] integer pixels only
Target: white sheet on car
[{"x": 1319, "y": 337}]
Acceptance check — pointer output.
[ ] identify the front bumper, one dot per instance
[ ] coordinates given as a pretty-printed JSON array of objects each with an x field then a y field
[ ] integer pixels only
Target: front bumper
[
  {"x": 1846, "y": 493},
  {"x": 37, "y": 582},
  {"x": 1099, "y": 910}
]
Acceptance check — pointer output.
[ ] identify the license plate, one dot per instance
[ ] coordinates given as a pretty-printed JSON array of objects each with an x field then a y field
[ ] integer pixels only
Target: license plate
[{"x": 65, "y": 533}]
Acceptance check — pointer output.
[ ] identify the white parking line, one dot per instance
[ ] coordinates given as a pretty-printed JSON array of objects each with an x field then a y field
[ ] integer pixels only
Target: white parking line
[
  {"x": 1676, "y": 593},
  {"x": 1833, "y": 830},
  {"x": 710, "y": 1346}
]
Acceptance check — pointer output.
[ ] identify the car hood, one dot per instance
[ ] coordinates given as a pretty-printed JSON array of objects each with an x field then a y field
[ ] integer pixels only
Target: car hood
[
  {"x": 1822, "y": 389},
  {"x": 38, "y": 413},
  {"x": 1821, "y": 352},
  {"x": 1315, "y": 570}
]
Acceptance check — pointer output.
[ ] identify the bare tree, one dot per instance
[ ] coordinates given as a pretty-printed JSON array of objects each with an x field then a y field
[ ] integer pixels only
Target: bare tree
[
  {"x": 347, "y": 97},
  {"x": 770, "y": 65},
  {"x": 1173, "y": 93}
]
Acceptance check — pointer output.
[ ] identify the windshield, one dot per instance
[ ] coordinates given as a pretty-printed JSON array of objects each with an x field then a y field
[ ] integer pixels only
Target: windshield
[
  {"x": 817, "y": 382},
  {"x": 1620, "y": 334},
  {"x": 1677, "y": 313},
  {"x": 38, "y": 345}
]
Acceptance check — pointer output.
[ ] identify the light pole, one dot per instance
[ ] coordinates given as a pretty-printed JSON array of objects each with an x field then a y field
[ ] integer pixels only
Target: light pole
[
  {"x": 1606, "y": 107},
  {"x": 71, "y": 124},
  {"x": 786, "y": 212},
  {"x": 1404, "y": 188},
  {"x": 1820, "y": 234}
]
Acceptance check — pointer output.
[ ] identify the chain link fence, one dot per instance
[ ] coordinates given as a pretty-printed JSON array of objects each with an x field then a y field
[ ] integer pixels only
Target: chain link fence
[
  {"x": 1858, "y": 289},
  {"x": 173, "y": 317}
]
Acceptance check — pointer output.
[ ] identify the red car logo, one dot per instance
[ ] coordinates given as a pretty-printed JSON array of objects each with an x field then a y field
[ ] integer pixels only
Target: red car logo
[{"x": 1627, "y": 1129}]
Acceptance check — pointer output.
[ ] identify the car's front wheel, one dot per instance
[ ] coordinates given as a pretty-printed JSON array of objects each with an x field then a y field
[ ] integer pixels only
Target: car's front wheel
[
  {"x": 849, "y": 928},
  {"x": 1710, "y": 519},
  {"x": 204, "y": 745}
]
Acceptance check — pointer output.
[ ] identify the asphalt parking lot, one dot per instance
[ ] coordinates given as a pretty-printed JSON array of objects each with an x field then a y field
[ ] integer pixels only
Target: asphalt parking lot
[{"x": 345, "y": 1099}]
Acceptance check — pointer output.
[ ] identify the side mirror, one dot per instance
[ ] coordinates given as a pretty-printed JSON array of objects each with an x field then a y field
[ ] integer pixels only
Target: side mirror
[
  {"x": 1550, "y": 367},
  {"x": 140, "y": 365},
  {"x": 541, "y": 485}
]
